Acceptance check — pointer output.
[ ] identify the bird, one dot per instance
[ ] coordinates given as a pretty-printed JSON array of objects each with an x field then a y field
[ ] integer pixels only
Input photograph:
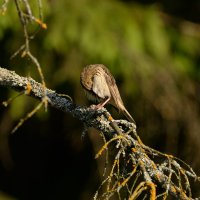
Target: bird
[{"x": 100, "y": 87}]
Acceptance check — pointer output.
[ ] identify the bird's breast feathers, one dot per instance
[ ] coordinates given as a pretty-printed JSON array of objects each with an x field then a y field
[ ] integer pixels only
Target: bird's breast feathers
[{"x": 92, "y": 97}]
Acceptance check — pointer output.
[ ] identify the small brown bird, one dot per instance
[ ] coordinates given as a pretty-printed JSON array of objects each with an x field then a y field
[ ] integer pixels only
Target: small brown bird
[{"x": 100, "y": 87}]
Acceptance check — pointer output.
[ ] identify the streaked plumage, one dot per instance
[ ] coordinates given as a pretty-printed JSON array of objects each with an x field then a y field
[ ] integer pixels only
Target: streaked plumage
[{"x": 100, "y": 87}]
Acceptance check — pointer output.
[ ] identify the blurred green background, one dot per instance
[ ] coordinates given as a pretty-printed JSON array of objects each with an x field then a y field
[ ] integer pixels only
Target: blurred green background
[{"x": 153, "y": 50}]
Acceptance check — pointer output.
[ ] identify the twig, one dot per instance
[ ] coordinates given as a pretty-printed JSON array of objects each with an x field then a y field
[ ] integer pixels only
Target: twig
[{"x": 25, "y": 18}]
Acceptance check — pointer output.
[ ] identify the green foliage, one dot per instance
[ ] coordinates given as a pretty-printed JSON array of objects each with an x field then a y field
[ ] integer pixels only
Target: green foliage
[
  {"x": 107, "y": 32},
  {"x": 154, "y": 58}
]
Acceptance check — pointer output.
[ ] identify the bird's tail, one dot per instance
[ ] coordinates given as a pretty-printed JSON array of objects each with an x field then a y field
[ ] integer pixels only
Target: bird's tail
[
  {"x": 128, "y": 116},
  {"x": 118, "y": 103}
]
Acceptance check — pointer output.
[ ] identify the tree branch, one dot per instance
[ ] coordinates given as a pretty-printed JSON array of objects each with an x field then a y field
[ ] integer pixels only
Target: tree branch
[
  {"x": 158, "y": 170},
  {"x": 87, "y": 115}
]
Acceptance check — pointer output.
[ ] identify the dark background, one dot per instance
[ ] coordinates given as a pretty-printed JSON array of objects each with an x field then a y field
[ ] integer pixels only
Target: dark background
[{"x": 153, "y": 50}]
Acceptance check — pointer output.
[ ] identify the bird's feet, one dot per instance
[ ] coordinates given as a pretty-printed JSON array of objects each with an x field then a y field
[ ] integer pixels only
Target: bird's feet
[
  {"x": 96, "y": 107},
  {"x": 100, "y": 105}
]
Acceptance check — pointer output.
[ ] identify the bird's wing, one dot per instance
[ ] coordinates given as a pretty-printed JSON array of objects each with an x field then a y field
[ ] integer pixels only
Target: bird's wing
[
  {"x": 117, "y": 100},
  {"x": 100, "y": 87},
  {"x": 118, "y": 103}
]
